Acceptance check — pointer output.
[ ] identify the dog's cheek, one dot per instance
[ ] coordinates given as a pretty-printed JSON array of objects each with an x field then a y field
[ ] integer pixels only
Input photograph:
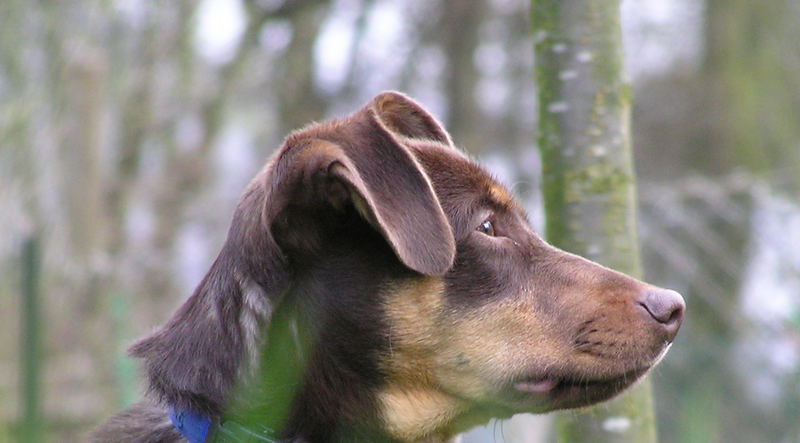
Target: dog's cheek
[
  {"x": 430, "y": 345},
  {"x": 412, "y": 310},
  {"x": 482, "y": 350}
]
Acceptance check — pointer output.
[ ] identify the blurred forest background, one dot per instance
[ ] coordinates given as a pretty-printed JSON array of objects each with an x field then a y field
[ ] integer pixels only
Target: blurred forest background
[{"x": 129, "y": 127}]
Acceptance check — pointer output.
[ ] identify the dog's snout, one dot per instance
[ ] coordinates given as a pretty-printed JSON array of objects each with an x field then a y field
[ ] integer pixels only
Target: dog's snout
[{"x": 666, "y": 307}]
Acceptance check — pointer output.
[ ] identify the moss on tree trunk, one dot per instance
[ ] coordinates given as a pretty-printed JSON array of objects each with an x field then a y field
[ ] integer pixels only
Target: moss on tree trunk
[{"x": 587, "y": 167}]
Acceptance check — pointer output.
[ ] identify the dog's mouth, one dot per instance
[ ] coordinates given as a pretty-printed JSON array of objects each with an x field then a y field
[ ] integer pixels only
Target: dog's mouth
[
  {"x": 571, "y": 392},
  {"x": 558, "y": 391}
]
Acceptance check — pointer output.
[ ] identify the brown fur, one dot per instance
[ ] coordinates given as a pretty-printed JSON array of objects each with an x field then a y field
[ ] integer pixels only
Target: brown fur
[{"x": 357, "y": 288}]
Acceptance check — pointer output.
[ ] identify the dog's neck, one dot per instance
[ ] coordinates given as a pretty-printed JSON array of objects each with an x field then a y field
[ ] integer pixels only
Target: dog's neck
[
  {"x": 294, "y": 388},
  {"x": 312, "y": 395},
  {"x": 266, "y": 393}
]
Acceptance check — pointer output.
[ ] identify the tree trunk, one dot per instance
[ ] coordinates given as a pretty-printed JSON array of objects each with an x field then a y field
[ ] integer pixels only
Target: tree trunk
[{"x": 588, "y": 180}]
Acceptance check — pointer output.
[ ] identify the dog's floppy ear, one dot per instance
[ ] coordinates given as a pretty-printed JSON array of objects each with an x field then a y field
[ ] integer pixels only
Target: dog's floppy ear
[
  {"x": 406, "y": 117},
  {"x": 382, "y": 178}
]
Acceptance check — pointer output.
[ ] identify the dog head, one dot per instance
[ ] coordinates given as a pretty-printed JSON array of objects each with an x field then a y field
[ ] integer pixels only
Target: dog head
[{"x": 414, "y": 298}]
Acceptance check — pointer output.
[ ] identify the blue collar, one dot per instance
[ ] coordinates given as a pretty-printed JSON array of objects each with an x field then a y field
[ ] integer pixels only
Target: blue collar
[{"x": 190, "y": 424}]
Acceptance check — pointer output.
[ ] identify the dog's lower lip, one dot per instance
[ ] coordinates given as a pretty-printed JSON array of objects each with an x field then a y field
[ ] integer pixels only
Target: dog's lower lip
[
  {"x": 542, "y": 386},
  {"x": 551, "y": 386}
]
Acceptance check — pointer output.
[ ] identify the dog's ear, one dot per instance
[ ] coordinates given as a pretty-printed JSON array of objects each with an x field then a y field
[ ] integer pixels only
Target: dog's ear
[
  {"x": 404, "y": 116},
  {"x": 380, "y": 177}
]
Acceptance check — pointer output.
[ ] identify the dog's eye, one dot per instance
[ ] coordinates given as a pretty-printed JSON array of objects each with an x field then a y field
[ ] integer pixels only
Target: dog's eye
[{"x": 487, "y": 228}]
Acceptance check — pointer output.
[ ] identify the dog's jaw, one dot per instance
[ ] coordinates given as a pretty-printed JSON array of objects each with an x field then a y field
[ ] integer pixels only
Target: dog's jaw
[
  {"x": 413, "y": 414},
  {"x": 430, "y": 415}
]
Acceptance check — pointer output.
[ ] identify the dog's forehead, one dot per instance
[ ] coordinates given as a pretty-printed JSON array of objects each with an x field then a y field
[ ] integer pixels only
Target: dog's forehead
[
  {"x": 461, "y": 183},
  {"x": 447, "y": 166}
]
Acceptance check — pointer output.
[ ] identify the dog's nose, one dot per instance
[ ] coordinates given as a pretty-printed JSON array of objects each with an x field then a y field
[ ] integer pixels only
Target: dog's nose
[{"x": 666, "y": 307}]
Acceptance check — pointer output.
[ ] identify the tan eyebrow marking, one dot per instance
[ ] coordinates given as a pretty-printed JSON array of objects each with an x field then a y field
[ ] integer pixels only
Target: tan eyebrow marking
[{"x": 500, "y": 196}]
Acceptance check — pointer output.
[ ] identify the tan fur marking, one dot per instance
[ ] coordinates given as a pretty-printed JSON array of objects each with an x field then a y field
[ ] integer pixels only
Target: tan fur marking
[
  {"x": 412, "y": 406},
  {"x": 500, "y": 195},
  {"x": 411, "y": 414},
  {"x": 412, "y": 309}
]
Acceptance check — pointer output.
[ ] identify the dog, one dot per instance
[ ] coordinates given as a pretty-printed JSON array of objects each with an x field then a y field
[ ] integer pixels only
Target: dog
[{"x": 377, "y": 284}]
